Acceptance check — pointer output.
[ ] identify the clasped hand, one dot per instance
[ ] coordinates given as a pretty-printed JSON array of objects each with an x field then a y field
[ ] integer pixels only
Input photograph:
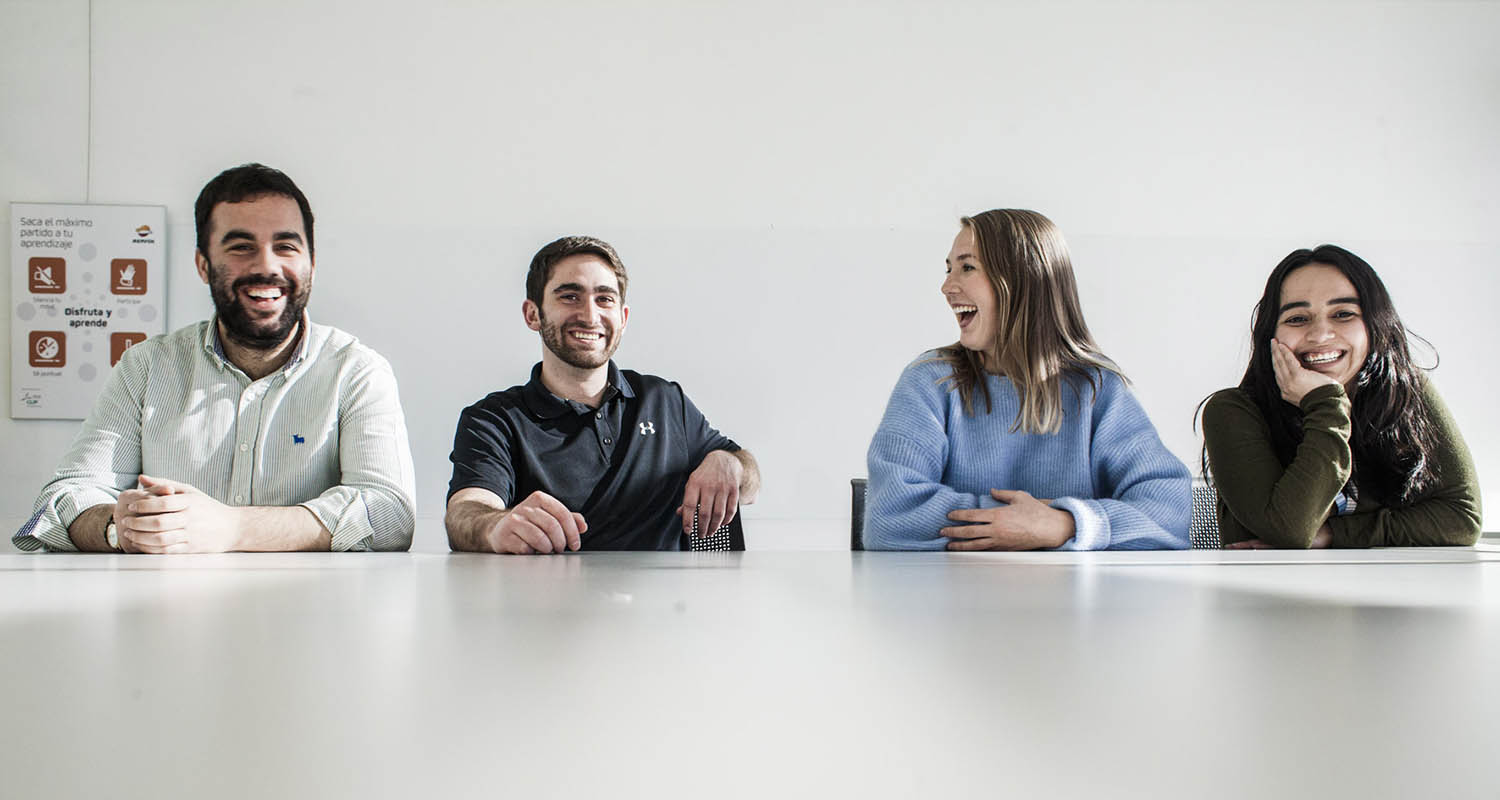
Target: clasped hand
[
  {"x": 1023, "y": 523},
  {"x": 166, "y": 516},
  {"x": 538, "y": 524}
]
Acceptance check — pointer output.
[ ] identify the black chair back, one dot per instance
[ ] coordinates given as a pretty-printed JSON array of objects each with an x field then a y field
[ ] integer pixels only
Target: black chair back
[{"x": 857, "y": 513}]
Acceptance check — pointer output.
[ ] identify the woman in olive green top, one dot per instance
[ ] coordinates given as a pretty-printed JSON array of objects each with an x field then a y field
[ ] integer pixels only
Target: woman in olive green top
[{"x": 1333, "y": 437}]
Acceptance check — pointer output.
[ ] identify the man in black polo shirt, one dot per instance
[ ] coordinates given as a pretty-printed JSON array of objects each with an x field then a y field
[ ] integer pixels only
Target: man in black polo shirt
[{"x": 586, "y": 455}]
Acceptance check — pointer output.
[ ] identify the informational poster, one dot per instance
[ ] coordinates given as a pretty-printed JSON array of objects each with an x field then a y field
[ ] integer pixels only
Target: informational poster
[{"x": 88, "y": 284}]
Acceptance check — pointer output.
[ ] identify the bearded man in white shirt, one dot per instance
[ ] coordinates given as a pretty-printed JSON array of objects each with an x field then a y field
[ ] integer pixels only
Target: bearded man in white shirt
[{"x": 256, "y": 430}]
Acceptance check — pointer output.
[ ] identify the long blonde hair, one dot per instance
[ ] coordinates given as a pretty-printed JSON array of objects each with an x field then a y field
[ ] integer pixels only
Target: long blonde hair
[{"x": 1040, "y": 333}]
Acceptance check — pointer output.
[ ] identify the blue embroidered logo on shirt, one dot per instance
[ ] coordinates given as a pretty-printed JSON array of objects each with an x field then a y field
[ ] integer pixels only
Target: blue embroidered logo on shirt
[
  {"x": 648, "y": 428},
  {"x": 297, "y": 439}
]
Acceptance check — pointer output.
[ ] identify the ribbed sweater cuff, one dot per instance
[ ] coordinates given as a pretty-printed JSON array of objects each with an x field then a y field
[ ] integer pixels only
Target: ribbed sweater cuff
[{"x": 1090, "y": 524}]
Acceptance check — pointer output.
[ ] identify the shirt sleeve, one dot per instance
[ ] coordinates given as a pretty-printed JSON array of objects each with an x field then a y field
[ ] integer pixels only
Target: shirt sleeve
[
  {"x": 1451, "y": 514},
  {"x": 702, "y": 437},
  {"x": 373, "y": 507},
  {"x": 1144, "y": 492},
  {"x": 1282, "y": 506},
  {"x": 104, "y": 459},
  {"x": 482, "y": 453},
  {"x": 906, "y": 502}
]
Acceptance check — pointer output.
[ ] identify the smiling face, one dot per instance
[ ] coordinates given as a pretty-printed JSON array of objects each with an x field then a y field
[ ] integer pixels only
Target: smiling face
[
  {"x": 1321, "y": 320},
  {"x": 258, "y": 269},
  {"x": 582, "y": 317},
  {"x": 970, "y": 294}
]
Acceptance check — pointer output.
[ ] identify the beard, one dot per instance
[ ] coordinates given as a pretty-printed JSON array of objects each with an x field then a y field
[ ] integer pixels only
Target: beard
[
  {"x": 554, "y": 337},
  {"x": 252, "y": 332}
]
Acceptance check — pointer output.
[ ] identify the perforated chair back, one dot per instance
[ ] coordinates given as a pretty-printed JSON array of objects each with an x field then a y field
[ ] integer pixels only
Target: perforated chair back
[
  {"x": 857, "y": 513},
  {"x": 1203, "y": 530},
  {"x": 729, "y": 537}
]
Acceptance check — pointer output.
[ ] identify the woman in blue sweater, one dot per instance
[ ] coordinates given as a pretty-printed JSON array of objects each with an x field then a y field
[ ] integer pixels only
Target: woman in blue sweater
[{"x": 1022, "y": 435}]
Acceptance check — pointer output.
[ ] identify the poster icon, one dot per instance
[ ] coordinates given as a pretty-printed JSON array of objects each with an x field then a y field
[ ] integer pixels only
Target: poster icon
[
  {"x": 120, "y": 342},
  {"x": 47, "y": 275},
  {"x": 127, "y": 276},
  {"x": 47, "y": 348}
]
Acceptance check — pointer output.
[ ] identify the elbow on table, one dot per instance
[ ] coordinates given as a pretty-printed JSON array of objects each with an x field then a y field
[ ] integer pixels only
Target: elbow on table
[
  {"x": 1469, "y": 528},
  {"x": 890, "y": 532},
  {"x": 392, "y": 520}
]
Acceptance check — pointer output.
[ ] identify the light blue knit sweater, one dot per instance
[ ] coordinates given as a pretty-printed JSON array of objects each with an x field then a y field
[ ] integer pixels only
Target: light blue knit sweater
[{"x": 1106, "y": 466}]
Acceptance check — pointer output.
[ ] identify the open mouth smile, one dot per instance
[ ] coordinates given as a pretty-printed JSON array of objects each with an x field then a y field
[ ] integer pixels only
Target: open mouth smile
[
  {"x": 262, "y": 298},
  {"x": 965, "y": 313},
  {"x": 1318, "y": 358}
]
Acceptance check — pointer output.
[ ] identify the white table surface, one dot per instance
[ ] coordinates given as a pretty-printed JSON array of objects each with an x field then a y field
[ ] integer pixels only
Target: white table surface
[{"x": 1194, "y": 674}]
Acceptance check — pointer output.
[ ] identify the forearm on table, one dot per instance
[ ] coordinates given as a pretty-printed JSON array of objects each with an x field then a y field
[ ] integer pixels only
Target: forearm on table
[
  {"x": 87, "y": 529},
  {"x": 468, "y": 519},
  {"x": 1444, "y": 521},
  {"x": 268, "y": 529},
  {"x": 906, "y": 509}
]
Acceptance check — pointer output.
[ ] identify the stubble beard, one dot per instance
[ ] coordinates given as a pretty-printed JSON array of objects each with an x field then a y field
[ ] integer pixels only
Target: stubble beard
[{"x": 552, "y": 337}]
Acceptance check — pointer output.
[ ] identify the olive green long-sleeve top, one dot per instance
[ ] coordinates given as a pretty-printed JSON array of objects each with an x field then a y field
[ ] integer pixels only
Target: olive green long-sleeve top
[{"x": 1285, "y": 506}]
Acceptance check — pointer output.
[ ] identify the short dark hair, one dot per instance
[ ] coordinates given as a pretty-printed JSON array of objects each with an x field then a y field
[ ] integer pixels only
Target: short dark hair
[
  {"x": 547, "y": 257},
  {"x": 244, "y": 183}
]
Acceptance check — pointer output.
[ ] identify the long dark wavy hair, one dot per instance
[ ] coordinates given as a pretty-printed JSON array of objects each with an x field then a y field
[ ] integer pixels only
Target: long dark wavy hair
[{"x": 1393, "y": 439}]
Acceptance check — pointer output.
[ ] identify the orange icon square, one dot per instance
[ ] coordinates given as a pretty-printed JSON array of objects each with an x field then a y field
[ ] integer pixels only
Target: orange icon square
[
  {"x": 120, "y": 342},
  {"x": 47, "y": 275},
  {"x": 47, "y": 348},
  {"x": 127, "y": 276}
]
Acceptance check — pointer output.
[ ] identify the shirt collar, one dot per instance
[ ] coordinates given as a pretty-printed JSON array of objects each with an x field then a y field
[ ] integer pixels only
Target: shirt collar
[
  {"x": 547, "y": 405},
  {"x": 215, "y": 348}
]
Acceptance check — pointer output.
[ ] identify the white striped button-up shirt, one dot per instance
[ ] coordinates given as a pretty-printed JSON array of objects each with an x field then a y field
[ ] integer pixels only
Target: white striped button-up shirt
[{"x": 325, "y": 432}]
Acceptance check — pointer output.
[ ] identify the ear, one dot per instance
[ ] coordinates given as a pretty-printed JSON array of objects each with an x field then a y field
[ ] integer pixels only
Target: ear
[
  {"x": 532, "y": 315},
  {"x": 624, "y": 317},
  {"x": 202, "y": 263}
]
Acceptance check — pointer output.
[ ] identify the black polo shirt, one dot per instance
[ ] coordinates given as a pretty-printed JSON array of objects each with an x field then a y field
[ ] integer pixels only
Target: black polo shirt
[{"x": 623, "y": 466}]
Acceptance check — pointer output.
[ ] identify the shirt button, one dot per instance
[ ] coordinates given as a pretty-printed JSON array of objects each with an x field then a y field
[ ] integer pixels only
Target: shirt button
[
  {"x": 239, "y": 498},
  {"x": 608, "y": 440},
  {"x": 244, "y": 447},
  {"x": 598, "y": 415}
]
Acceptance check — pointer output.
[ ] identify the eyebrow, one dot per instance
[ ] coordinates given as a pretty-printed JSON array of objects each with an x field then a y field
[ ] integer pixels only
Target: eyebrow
[
  {"x": 961, "y": 257},
  {"x": 578, "y": 287},
  {"x": 1337, "y": 301},
  {"x": 238, "y": 234}
]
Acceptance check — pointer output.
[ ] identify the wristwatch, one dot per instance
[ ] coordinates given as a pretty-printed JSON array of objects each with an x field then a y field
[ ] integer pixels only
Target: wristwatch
[{"x": 111, "y": 537}]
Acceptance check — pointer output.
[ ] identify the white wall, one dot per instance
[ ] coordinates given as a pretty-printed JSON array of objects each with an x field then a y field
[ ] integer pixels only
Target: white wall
[{"x": 783, "y": 179}]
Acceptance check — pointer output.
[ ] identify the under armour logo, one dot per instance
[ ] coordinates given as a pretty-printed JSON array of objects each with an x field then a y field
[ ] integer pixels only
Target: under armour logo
[{"x": 647, "y": 428}]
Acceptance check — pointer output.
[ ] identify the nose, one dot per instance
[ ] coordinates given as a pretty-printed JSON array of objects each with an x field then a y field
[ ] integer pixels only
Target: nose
[
  {"x": 590, "y": 314},
  {"x": 1320, "y": 330},
  {"x": 950, "y": 285},
  {"x": 264, "y": 261}
]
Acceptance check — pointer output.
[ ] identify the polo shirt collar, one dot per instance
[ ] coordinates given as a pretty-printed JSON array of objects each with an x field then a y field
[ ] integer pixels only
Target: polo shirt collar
[{"x": 547, "y": 405}]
